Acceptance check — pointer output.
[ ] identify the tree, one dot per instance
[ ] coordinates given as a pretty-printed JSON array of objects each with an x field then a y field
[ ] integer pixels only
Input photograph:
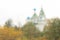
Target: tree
[
  {"x": 10, "y": 34},
  {"x": 8, "y": 23},
  {"x": 52, "y": 30},
  {"x": 30, "y": 31}
]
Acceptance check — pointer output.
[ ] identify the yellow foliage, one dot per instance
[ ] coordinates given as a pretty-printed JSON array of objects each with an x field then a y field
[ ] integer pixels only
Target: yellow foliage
[
  {"x": 43, "y": 38},
  {"x": 10, "y": 34}
]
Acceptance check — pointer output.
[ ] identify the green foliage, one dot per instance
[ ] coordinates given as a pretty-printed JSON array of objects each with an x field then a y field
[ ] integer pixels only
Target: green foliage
[
  {"x": 8, "y": 23},
  {"x": 30, "y": 30},
  {"x": 52, "y": 31}
]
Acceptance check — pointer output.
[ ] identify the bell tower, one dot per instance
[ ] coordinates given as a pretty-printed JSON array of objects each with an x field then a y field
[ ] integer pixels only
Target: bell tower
[
  {"x": 34, "y": 17},
  {"x": 41, "y": 20}
]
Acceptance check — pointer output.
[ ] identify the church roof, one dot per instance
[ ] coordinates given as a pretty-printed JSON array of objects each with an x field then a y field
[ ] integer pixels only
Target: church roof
[
  {"x": 34, "y": 16},
  {"x": 41, "y": 12}
]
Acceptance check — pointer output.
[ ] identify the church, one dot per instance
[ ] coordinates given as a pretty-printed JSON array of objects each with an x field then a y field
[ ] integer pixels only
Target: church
[{"x": 38, "y": 20}]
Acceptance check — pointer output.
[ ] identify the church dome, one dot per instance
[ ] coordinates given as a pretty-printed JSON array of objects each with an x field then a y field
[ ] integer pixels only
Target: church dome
[{"x": 28, "y": 18}]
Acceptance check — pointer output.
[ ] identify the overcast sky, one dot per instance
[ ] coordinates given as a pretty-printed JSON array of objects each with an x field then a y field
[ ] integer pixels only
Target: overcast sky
[{"x": 19, "y": 10}]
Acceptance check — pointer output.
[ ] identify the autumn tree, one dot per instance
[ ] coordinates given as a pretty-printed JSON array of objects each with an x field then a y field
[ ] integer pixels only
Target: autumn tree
[
  {"x": 8, "y": 23},
  {"x": 52, "y": 29},
  {"x": 10, "y": 34},
  {"x": 30, "y": 31}
]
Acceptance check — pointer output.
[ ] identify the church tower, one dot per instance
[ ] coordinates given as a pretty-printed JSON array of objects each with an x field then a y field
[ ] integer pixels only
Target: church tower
[
  {"x": 34, "y": 17},
  {"x": 41, "y": 20}
]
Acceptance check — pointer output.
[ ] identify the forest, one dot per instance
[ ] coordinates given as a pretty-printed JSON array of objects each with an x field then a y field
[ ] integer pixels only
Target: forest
[{"x": 28, "y": 31}]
